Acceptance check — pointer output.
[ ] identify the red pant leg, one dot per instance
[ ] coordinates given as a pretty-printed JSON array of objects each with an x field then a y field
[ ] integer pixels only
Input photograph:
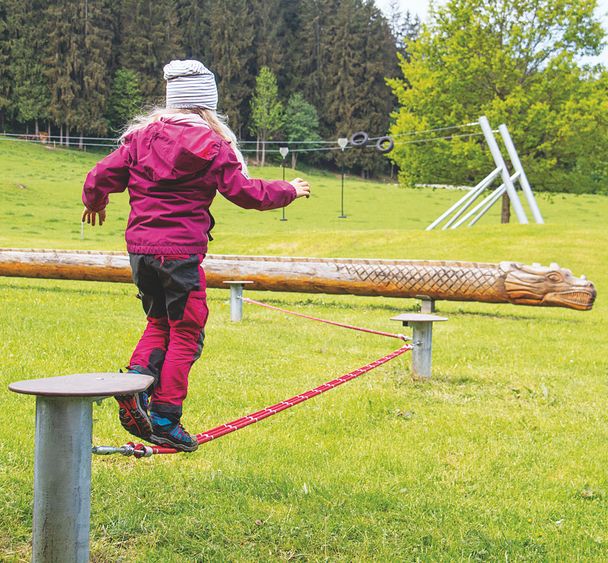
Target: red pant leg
[
  {"x": 149, "y": 354},
  {"x": 186, "y": 336}
]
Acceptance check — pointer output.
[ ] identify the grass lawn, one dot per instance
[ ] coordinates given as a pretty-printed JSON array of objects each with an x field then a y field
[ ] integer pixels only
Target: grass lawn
[{"x": 501, "y": 456}]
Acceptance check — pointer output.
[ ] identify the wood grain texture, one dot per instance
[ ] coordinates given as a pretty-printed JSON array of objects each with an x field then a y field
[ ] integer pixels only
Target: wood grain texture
[{"x": 505, "y": 282}]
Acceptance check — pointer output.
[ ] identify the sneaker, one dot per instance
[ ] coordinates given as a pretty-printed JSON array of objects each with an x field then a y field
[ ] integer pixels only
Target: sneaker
[
  {"x": 133, "y": 413},
  {"x": 165, "y": 432}
]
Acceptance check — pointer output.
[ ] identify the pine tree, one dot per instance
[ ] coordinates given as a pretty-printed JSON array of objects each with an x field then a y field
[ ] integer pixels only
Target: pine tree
[
  {"x": 361, "y": 56},
  {"x": 311, "y": 52},
  {"x": 64, "y": 62},
  {"x": 404, "y": 27},
  {"x": 269, "y": 34},
  {"x": 266, "y": 109},
  {"x": 193, "y": 23},
  {"x": 151, "y": 37},
  {"x": 30, "y": 88},
  {"x": 5, "y": 57},
  {"x": 289, "y": 23},
  {"x": 230, "y": 53},
  {"x": 379, "y": 63},
  {"x": 96, "y": 67}
]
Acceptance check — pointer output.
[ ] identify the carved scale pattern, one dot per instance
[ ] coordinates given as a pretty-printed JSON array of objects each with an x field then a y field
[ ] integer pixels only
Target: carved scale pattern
[{"x": 430, "y": 280}]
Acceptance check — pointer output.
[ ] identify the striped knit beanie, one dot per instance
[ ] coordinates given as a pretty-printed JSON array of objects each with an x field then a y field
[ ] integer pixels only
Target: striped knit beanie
[{"x": 190, "y": 85}]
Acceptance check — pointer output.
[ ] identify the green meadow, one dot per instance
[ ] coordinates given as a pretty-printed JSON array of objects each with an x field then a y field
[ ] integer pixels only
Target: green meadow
[{"x": 502, "y": 456}]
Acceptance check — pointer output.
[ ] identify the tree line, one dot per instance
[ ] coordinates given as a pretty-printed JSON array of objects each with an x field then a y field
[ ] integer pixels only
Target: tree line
[
  {"x": 83, "y": 67},
  {"x": 306, "y": 70}
]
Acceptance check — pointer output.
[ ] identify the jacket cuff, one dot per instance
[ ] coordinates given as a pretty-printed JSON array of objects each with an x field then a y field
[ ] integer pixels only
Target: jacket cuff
[
  {"x": 95, "y": 207},
  {"x": 291, "y": 191}
]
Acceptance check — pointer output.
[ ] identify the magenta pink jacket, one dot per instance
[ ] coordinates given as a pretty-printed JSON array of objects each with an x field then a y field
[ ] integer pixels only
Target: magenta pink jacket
[{"x": 173, "y": 169}]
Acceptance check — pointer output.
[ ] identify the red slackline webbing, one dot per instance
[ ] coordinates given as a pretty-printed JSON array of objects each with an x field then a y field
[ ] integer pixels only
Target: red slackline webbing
[
  {"x": 142, "y": 450},
  {"x": 239, "y": 423}
]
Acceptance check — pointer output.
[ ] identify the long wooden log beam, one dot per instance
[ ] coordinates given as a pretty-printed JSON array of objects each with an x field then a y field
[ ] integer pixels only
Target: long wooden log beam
[{"x": 506, "y": 282}]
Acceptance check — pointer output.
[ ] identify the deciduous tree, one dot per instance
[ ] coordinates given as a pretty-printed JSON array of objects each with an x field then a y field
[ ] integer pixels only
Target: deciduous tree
[
  {"x": 266, "y": 109},
  {"x": 516, "y": 61},
  {"x": 301, "y": 124},
  {"x": 125, "y": 99}
]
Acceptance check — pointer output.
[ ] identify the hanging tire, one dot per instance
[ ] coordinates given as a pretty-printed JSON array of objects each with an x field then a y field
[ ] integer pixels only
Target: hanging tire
[
  {"x": 359, "y": 139},
  {"x": 385, "y": 144}
]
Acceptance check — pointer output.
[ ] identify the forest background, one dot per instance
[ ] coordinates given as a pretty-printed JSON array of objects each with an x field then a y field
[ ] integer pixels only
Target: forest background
[{"x": 304, "y": 71}]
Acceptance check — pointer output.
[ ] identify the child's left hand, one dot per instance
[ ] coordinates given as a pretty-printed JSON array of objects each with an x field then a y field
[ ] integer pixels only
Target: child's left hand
[{"x": 89, "y": 216}]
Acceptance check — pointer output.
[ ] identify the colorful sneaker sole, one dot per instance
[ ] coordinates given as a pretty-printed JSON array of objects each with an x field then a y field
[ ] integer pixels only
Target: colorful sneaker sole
[
  {"x": 133, "y": 416},
  {"x": 161, "y": 440}
]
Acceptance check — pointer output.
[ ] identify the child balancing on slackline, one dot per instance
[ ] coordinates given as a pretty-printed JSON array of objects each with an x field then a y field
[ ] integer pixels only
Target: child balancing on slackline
[{"x": 173, "y": 160}]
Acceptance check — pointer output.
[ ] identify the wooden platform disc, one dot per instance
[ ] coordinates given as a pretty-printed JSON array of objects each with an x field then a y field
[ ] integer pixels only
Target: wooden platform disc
[
  {"x": 418, "y": 318},
  {"x": 84, "y": 385},
  {"x": 237, "y": 281}
]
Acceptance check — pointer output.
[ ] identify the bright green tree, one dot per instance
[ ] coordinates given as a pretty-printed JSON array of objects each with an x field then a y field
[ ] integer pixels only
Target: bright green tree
[
  {"x": 266, "y": 109},
  {"x": 125, "y": 98},
  {"x": 515, "y": 61},
  {"x": 301, "y": 123}
]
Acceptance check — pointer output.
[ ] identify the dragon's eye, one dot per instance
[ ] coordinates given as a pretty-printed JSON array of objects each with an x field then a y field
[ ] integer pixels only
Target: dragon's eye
[{"x": 554, "y": 277}]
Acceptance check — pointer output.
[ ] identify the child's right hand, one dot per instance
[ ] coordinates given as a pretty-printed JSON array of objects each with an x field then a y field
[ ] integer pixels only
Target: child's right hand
[
  {"x": 302, "y": 187},
  {"x": 88, "y": 216}
]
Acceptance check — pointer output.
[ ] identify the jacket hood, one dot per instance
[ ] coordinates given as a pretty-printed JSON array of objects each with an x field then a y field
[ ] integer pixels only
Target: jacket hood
[{"x": 173, "y": 148}]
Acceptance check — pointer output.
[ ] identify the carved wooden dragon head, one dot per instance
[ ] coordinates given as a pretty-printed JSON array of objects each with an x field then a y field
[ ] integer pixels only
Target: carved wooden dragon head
[{"x": 550, "y": 286}]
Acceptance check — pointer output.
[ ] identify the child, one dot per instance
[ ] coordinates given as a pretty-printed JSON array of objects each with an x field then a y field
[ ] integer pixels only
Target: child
[{"x": 173, "y": 160}]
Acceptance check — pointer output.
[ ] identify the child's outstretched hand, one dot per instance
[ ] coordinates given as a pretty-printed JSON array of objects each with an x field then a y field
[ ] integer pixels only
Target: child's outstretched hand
[
  {"x": 90, "y": 216},
  {"x": 302, "y": 187}
]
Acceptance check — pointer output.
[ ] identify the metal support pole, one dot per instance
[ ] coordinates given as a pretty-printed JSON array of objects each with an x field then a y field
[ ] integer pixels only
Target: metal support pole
[
  {"x": 500, "y": 163},
  {"x": 523, "y": 179},
  {"x": 342, "y": 142},
  {"x": 422, "y": 353},
  {"x": 427, "y": 304},
  {"x": 485, "y": 204},
  {"x": 62, "y": 480},
  {"x": 471, "y": 194},
  {"x": 342, "y": 216},
  {"x": 236, "y": 302},
  {"x": 422, "y": 339},
  {"x": 464, "y": 207},
  {"x": 62, "y": 458},
  {"x": 236, "y": 299},
  {"x": 283, "y": 218}
]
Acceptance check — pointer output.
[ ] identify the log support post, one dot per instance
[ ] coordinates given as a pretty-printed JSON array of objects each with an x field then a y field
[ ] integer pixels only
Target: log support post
[{"x": 427, "y": 304}]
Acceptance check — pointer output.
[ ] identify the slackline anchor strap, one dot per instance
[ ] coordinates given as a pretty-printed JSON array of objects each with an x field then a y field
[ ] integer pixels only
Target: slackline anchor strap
[{"x": 334, "y": 323}]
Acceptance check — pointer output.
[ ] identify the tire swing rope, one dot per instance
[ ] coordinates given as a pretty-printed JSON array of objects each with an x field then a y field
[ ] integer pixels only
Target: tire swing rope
[{"x": 138, "y": 450}]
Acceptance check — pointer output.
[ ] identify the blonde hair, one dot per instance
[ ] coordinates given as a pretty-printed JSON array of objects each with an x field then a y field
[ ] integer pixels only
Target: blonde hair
[{"x": 215, "y": 121}]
